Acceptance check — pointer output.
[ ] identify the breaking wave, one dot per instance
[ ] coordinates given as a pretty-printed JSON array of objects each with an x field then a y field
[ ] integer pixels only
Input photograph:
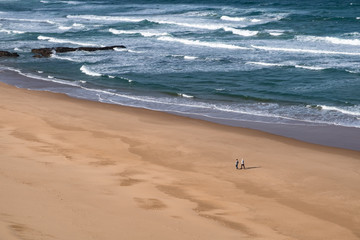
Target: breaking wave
[
  {"x": 57, "y": 40},
  {"x": 203, "y": 44},
  {"x": 298, "y": 50},
  {"x": 89, "y": 72},
  {"x": 333, "y": 40},
  {"x": 142, "y": 33},
  {"x": 106, "y": 18}
]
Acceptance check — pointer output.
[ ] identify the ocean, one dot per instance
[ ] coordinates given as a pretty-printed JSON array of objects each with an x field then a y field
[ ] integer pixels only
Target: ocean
[{"x": 280, "y": 62}]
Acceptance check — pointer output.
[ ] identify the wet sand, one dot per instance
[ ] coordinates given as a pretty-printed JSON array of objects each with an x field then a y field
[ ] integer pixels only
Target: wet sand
[{"x": 322, "y": 134}]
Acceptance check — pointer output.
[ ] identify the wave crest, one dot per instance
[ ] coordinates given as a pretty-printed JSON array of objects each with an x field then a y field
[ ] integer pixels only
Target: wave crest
[
  {"x": 142, "y": 33},
  {"x": 299, "y": 50},
  {"x": 58, "y": 40},
  {"x": 89, "y": 72},
  {"x": 106, "y": 18},
  {"x": 233, "y": 19},
  {"x": 333, "y": 40},
  {"x": 203, "y": 44},
  {"x": 355, "y": 112}
]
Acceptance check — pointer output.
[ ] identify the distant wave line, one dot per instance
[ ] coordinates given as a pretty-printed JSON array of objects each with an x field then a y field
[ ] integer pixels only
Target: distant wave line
[
  {"x": 242, "y": 32},
  {"x": 28, "y": 20},
  {"x": 305, "y": 50},
  {"x": 106, "y": 18},
  {"x": 64, "y": 58},
  {"x": 200, "y": 43},
  {"x": 333, "y": 40},
  {"x": 286, "y": 65},
  {"x": 57, "y": 40},
  {"x": 143, "y": 33},
  {"x": 233, "y": 19},
  {"x": 11, "y": 31}
]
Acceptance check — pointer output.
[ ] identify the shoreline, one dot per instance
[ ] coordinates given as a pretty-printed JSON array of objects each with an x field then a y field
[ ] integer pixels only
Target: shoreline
[
  {"x": 325, "y": 135},
  {"x": 103, "y": 171}
]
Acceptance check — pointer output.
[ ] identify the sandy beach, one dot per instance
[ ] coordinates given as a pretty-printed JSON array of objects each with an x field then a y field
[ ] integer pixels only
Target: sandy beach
[{"x": 76, "y": 169}]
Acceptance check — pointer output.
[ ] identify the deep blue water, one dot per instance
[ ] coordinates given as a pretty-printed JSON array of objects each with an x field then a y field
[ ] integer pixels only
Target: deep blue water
[{"x": 294, "y": 62}]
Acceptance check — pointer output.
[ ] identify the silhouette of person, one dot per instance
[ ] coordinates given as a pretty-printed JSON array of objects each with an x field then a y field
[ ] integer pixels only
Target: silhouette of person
[
  {"x": 242, "y": 164},
  {"x": 237, "y": 164}
]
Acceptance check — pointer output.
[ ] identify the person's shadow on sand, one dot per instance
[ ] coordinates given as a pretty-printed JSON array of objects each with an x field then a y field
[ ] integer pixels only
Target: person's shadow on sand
[{"x": 247, "y": 168}]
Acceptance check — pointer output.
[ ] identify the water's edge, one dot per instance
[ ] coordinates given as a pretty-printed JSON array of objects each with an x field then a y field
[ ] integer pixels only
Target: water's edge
[{"x": 326, "y": 135}]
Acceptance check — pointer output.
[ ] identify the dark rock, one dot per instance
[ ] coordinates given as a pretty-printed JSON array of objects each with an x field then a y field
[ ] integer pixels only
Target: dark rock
[
  {"x": 65, "y": 49},
  {"x": 42, "y": 52},
  {"x": 92, "y": 49},
  {"x": 8, "y": 54},
  {"x": 46, "y": 52}
]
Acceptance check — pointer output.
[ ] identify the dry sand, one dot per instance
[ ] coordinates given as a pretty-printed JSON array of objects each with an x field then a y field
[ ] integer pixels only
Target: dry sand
[{"x": 75, "y": 169}]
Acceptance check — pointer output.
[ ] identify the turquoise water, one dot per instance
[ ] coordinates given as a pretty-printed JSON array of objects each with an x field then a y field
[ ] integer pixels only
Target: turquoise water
[{"x": 292, "y": 62}]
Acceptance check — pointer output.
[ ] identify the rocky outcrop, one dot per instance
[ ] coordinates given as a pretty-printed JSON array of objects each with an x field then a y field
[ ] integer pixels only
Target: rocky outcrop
[
  {"x": 8, "y": 54},
  {"x": 42, "y": 52},
  {"x": 46, "y": 52}
]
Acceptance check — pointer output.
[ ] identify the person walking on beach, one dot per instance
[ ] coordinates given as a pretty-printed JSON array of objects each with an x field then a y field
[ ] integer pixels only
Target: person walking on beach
[
  {"x": 242, "y": 163},
  {"x": 237, "y": 164}
]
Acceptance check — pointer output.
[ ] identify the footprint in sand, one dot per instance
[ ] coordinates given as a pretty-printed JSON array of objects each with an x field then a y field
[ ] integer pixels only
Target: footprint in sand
[{"x": 150, "y": 203}]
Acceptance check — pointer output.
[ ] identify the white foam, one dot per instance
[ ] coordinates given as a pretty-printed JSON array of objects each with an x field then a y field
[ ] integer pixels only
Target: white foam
[
  {"x": 255, "y": 20},
  {"x": 57, "y": 40},
  {"x": 331, "y": 108},
  {"x": 121, "y": 50},
  {"x": 71, "y": 2},
  {"x": 194, "y": 25},
  {"x": 106, "y": 18},
  {"x": 241, "y": 32},
  {"x": 89, "y": 72},
  {"x": 275, "y": 33},
  {"x": 333, "y": 40},
  {"x": 353, "y": 34},
  {"x": 64, "y": 58},
  {"x": 286, "y": 65},
  {"x": 29, "y": 20},
  {"x": 200, "y": 14},
  {"x": 126, "y": 50},
  {"x": 267, "y": 64},
  {"x": 185, "y": 95},
  {"x": 203, "y": 44},
  {"x": 143, "y": 33},
  {"x": 352, "y": 71},
  {"x": 354, "y": 42},
  {"x": 304, "y": 50},
  {"x": 190, "y": 57},
  {"x": 74, "y": 26},
  {"x": 310, "y": 67},
  {"x": 43, "y": 78},
  {"x": 11, "y": 31},
  {"x": 40, "y": 71},
  {"x": 358, "y": 18},
  {"x": 64, "y": 28},
  {"x": 233, "y": 19},
  {"x": 127, "y": 79},
  {"x": 111, "y": 76}
]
